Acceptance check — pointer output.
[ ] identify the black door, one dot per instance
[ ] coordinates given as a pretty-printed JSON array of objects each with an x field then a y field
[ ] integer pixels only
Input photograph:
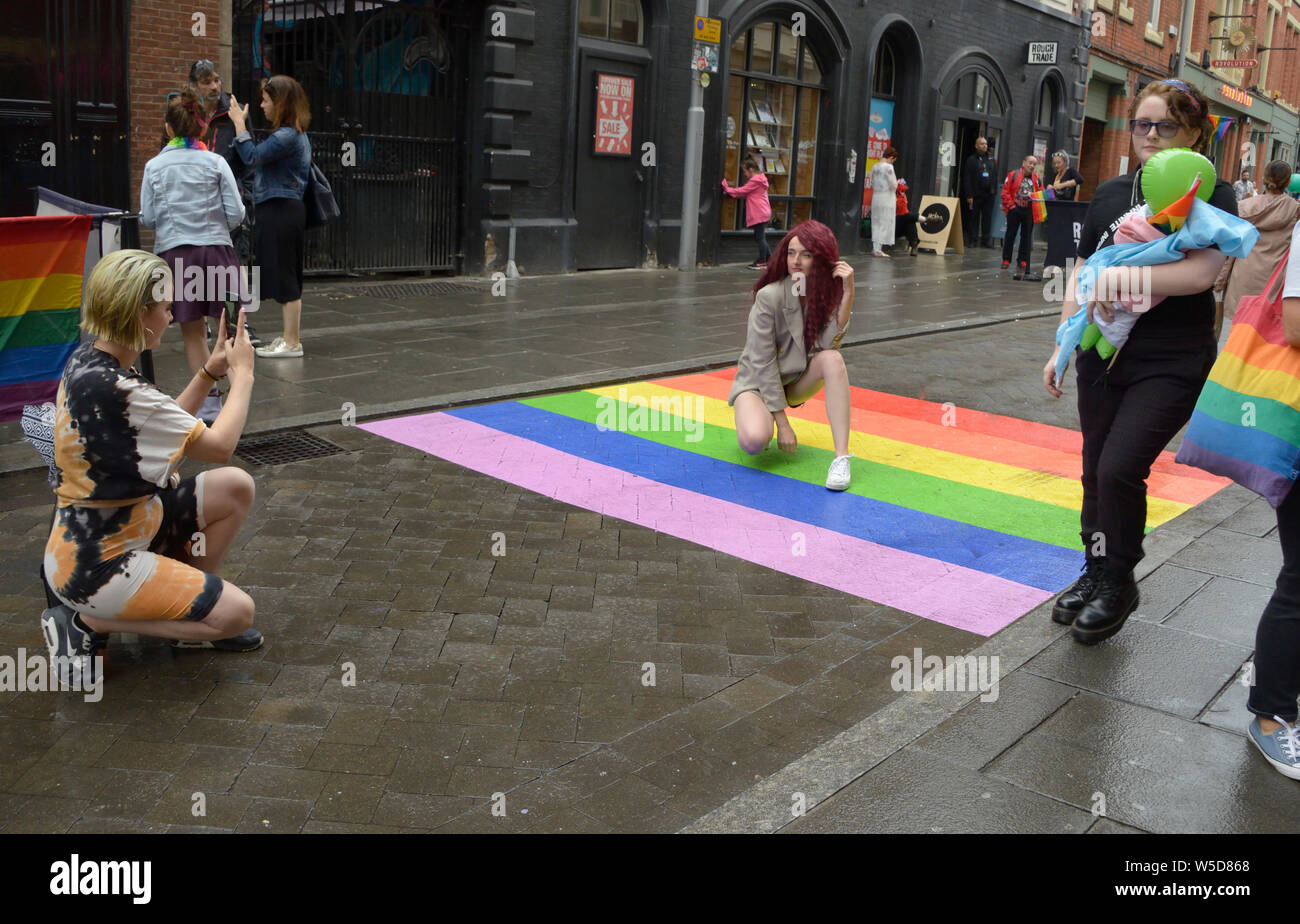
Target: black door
[
  {"x": 610, "y": 179},
  {"x": 63, "y": 122}
]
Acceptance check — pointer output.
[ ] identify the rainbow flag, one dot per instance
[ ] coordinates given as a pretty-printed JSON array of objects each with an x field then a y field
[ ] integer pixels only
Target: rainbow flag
[
  {"x": 963, "y": 517},
  {"x": 41, "y": 263}
]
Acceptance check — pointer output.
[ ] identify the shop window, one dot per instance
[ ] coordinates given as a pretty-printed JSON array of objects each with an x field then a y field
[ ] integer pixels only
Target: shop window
[
  {"x": 1045, "y": 131},
  {"x": 974, "y": 93},
  {"x": 773, "y": 115},
  {"x": 616, "y": 20}
]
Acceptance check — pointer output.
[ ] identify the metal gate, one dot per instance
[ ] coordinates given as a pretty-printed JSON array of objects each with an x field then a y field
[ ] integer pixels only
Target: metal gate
[
  {"x": 63, "y": 119},
  {"x": 387, "y": 85}
]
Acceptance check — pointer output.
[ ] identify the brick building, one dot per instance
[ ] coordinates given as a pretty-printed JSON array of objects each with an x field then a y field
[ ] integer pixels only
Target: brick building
[
  {"x": 449, "y": 127},
  {"x": 1136, "y": 41}
]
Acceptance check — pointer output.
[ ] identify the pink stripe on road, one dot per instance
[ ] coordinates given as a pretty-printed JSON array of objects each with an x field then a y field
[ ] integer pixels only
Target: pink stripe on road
[{"x": 949, "y": 594}]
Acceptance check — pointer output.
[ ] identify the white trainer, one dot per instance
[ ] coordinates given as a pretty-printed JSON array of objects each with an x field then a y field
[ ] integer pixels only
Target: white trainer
[
  {"x": 280, "y": 350},
  {"x": 837, "y": 479}
]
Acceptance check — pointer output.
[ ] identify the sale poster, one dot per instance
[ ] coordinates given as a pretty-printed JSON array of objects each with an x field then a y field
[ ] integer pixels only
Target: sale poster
[
  {"x": 880, "y": 126},
  {"x": 614, "y": 96}
]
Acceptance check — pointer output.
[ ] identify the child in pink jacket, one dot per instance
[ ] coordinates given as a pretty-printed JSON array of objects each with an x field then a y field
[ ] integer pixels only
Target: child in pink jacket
[{"x": 758, "y": 211}]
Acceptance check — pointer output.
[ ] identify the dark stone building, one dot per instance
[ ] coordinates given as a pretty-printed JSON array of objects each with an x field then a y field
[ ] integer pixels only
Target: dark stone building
[{"x": 795, "y": 84}]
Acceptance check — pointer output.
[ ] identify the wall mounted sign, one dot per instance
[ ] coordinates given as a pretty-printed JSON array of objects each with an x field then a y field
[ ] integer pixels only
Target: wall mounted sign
[
  {"x": 1236, "y": 94},
  {"x": 614, "y": 95},
  {"x": 1042, "y": 53},
  {"x": 708, "y": 30}
]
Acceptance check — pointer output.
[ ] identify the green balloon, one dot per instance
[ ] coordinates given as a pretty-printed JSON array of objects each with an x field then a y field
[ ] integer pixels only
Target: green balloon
[
  {"x": 1168, "y": 175},
  {"x": 1294, "y": 186}
]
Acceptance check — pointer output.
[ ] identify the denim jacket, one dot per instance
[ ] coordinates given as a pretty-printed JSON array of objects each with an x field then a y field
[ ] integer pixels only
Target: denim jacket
[
  {"x": 190, "y": 196},
  {"x": 281, "y": 163}
]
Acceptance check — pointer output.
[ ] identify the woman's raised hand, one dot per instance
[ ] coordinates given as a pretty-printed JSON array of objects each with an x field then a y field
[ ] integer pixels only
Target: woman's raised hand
[
  {"x": 239, "y": 353},
  {"x": 238, "y": 113}
]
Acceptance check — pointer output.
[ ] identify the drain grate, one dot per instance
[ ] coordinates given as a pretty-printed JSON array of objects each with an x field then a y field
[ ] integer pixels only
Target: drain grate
[
  {"x": 283, "y": 448},
  {"x": 401, "y": 290}
]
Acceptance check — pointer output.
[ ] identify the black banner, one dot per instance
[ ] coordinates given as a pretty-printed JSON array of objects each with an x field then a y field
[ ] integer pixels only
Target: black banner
[{"x": 1064, "y": 219}]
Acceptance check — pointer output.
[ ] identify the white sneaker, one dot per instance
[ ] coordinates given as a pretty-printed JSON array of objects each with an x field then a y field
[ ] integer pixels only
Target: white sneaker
[
  {"x": 837, "y": 479},
  {"x": 280, "y": 350}
]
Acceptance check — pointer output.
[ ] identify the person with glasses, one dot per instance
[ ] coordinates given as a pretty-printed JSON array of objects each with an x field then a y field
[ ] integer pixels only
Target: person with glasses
[{"x": 1133, "y": 405}]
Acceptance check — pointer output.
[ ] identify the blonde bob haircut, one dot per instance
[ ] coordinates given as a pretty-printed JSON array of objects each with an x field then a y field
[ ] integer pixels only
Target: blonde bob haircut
[{"x": 120, "y": 289}]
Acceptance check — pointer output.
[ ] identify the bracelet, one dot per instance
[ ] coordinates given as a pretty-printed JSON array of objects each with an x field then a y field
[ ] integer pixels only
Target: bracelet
[{"x": 208, "y": 375}]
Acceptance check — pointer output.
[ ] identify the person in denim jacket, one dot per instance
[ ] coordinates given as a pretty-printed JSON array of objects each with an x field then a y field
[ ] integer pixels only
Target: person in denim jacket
[
  {"x": 190, "y": 196},
  {"x": 281, "y": 167}
]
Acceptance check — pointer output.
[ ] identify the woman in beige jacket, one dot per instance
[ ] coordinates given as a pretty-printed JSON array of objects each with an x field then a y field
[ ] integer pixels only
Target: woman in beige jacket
[
  {"x": 801, "y": 310},
  {"x": 1274, "y": 214}
]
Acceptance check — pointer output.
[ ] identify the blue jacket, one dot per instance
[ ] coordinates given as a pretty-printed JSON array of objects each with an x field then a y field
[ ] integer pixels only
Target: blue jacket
[
  {"x": 190, "y": 196},
  {"x": 281, "y": 163}
]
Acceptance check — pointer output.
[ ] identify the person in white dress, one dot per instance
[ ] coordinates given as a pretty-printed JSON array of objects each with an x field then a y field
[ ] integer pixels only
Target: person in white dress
[{"x": 884, "y": 190}]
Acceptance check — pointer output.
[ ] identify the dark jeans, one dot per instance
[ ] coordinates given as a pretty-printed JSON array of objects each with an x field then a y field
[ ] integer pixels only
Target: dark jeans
[
  {"x": 1021, "y": 220},
  {"x": 1277, "y": 640},
  {"x": 905, "y": 225},
  {"x": 1128, "y": 415},
  {"x": 979, "y": 222},
  {"x": 760, "y": 235}
]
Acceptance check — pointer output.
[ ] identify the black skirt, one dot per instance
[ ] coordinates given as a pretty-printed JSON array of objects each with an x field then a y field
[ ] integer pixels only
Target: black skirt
[{"x": 281, "y": 224}]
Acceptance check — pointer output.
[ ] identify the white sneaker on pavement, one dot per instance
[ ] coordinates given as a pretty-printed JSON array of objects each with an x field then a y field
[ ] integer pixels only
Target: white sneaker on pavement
[
  {"x": 837, "y": 479},
  {"x": 280, "y": 350}
]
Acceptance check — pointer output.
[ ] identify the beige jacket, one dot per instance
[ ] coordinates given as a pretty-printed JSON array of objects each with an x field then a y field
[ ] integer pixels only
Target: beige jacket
[
  {"x": 774, "y": 355},
  {"x": 1274, "y": 216}
]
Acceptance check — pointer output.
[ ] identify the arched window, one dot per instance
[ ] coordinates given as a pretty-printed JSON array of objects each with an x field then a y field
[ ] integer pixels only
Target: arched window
[
  {"x": 616, "y": 20},
  {"x": 882, "y": 83},
  {"x": 773, "y": 114},
  {"x": 1048, "y": 134}
]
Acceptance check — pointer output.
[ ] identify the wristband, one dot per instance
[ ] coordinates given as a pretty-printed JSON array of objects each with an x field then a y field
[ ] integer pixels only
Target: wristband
[{"x": 208, "y": 375}]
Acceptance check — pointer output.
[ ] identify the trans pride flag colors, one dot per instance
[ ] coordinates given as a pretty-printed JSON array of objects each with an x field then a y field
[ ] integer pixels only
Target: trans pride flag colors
[
  {"x": 41, "y": 263},
  {"x": 963, "y": 517}
]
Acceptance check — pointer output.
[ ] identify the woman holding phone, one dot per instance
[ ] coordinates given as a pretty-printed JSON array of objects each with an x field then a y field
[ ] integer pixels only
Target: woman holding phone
[
  {"x": 124, "y": 553},
  {"x": 190, "y": 196}
]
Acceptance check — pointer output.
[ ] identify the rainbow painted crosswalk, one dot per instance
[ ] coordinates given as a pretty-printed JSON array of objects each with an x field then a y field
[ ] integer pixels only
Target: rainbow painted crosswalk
[{"x": 963, "y": 517}]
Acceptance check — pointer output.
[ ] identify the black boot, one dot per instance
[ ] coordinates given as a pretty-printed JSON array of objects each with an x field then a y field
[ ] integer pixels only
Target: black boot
[
  {"x": 1077, "y": 595},
  {"x": 1115, "y": 600}
]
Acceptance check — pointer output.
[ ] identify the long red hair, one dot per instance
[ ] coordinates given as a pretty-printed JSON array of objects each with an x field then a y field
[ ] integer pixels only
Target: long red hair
[{"x": 824, "y": 290}]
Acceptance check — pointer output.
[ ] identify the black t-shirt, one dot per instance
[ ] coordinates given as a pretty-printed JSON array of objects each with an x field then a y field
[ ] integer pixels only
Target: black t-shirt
[
  {"x": 1178, "y": 316},
  {"x": 1070, "y": 192}
]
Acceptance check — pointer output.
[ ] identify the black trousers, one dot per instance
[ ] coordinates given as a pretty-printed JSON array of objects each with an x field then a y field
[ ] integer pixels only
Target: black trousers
[
  {"x": 1277, "y": 640},
  {"x": 760, "y": 235},
  {"x": 1021, "y": 220},
  {"x": 979, "y": 221},
  {"x": 905, "y": 224},
  {"x": 1128, "y": 415}
]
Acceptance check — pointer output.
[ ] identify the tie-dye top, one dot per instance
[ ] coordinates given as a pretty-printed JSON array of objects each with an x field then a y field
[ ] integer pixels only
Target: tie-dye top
[{"x": 116, "y": 436}]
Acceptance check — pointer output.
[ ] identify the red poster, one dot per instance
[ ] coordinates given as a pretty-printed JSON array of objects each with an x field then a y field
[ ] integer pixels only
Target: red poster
[{"x": 614, "y": 95}]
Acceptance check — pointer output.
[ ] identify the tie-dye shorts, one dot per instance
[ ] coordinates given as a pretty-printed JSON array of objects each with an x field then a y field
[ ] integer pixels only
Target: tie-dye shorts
[{"x": 132, "y": 562}]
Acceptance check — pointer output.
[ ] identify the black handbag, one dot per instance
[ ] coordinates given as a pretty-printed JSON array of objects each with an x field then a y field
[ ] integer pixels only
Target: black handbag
[{"x": 319, "y": 199}]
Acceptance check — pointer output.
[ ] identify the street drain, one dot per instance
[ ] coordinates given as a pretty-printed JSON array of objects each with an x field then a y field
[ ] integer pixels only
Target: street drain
[
  {"x": 401, "y": 290},
  {"x": 283, "y": 448}
]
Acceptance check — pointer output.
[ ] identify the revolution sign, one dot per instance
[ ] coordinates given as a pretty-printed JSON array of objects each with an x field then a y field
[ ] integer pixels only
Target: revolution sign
[{"x": 614, "y": 95}]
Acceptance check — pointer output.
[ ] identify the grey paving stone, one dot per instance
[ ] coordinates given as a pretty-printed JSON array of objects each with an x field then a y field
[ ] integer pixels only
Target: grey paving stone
[
  {"x": 1234, "y": 555},
  {"x": 1155, "y": 771},
  {"x": 1152, "y": 665},
  {"x": 1164, "y": 589},
  {"x": 940, "y": 798},
  {"x": 1223, "y": 609}
]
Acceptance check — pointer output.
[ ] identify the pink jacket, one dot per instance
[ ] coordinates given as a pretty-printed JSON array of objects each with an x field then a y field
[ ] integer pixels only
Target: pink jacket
[{"x": 757, "y": 208}]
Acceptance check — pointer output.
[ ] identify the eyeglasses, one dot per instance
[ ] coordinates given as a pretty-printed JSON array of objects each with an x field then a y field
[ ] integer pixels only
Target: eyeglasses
[{"x": 1142, "y": 127}]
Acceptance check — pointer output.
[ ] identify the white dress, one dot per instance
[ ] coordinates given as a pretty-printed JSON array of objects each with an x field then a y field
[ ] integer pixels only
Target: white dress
[{"x": 884, "y": 190}]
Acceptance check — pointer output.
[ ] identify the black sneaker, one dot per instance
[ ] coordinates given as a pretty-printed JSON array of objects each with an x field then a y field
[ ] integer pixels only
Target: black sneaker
[
  {"x": 1076, "y": 596},
  {"x": 67, "y": 639},
  {"x": 1104, "y": 615},
  {"x": 248, "y": 640},
  {"x": 252, "y": 335},
  {"x": 1021, "y": 269}
]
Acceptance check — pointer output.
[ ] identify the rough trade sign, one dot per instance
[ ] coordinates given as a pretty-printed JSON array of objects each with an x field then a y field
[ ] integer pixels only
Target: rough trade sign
[
  {"x": 1042, "y": 53},
  {"x": 614, "y": 95}
]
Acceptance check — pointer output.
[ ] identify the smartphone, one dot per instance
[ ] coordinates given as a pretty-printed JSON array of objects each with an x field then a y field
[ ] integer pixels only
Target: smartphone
[{"x": 232, "y": 319}]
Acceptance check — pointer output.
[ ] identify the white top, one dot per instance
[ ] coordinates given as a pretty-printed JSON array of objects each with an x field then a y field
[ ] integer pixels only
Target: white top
[{"x": 1291, "y": 287}]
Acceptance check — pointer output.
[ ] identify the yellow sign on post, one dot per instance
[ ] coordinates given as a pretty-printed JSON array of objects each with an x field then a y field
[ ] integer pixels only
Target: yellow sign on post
[{"x": 708, "y": 30}]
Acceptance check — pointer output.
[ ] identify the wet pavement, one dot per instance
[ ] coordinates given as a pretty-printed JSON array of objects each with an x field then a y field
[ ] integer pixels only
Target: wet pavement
[{"x": 517, "y": 681}]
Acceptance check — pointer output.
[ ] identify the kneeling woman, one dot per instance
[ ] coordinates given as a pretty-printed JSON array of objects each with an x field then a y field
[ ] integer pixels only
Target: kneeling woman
[
  {"x": 134, "y": 548},
  {"x": 801, "y": 311}
]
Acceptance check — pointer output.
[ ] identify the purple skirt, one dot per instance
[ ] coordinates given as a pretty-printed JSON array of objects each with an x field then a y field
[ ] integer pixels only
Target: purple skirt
[{"x": 203, "y": 277}]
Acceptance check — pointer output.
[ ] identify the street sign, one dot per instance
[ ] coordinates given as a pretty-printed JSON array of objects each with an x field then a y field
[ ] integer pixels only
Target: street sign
[
  {"x": 1042, "y": 53},
  {"x": 1235, "y": 62},
  {"x": 708, "y": 30}
]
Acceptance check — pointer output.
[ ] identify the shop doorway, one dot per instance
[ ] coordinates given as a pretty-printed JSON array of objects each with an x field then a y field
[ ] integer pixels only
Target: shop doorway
[
  {"x": 961, "y": 133},
  {"x": 610, "y": 186}
]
